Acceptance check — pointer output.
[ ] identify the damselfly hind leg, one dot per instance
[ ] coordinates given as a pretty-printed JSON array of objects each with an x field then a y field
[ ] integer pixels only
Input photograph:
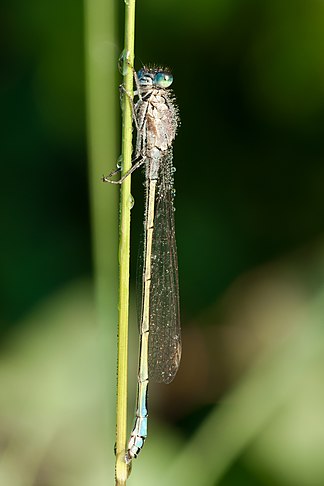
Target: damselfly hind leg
[{"x": 129, "y": 172}]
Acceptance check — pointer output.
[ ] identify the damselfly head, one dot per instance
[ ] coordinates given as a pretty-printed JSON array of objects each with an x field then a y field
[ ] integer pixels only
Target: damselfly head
[{"x": 154, "y": 78}]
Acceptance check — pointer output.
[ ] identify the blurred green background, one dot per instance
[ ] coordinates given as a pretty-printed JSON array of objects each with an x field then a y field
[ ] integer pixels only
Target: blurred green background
[{"x": 247, "y": 407}]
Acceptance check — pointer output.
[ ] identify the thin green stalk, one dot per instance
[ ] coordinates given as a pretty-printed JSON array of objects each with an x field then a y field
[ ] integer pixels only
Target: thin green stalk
[
  {"x": 122, "y": 470},
  {"x": 101, "y": 54},
  {"x": 101, "y": 57}
]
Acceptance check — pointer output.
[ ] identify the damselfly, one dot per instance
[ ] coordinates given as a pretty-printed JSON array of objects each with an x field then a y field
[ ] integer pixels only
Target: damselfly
[{"x": 156, "y": 119}]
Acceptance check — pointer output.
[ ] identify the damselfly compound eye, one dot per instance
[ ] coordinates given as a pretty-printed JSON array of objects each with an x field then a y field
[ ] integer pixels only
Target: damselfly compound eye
[
  {"x": 163, "y": 79},
  {"x": 140, "y": 74}
]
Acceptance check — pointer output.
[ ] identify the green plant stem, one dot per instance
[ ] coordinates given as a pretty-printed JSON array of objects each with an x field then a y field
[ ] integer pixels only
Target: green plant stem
[
  {"x": 101, "y": 57},
  {"x": 122, "y": 470},
  {"x": 102, "y": 108}
]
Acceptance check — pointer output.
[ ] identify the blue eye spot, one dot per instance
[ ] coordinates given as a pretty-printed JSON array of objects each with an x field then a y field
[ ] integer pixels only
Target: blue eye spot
[{"x": 163, "y": 79}]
